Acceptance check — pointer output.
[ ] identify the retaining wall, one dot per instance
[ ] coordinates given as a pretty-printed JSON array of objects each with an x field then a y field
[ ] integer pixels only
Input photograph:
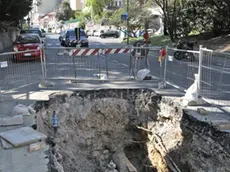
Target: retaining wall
[{"x": 7, "y": 38}]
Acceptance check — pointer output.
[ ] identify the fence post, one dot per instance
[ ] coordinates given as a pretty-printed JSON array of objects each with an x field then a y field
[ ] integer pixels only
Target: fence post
[
  {"x": 75, "y": 70},
  {"x": 99, "y": 61},
  {"x": 200, "y": 68},
  {"x": 44, "y": 61},
  {"x": 165, "y": 67},
  {"x": 42, "y": 64}
]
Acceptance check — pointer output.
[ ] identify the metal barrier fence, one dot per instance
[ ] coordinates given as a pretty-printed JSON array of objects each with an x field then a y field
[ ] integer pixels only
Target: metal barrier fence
[
  {"x": 215, "y": 75},
  {"x": 71, "y": 64},
  {"x": 18, "y": 69},
  {"x": 180, "y": 67},
  {"x": 98, "y": 63}
]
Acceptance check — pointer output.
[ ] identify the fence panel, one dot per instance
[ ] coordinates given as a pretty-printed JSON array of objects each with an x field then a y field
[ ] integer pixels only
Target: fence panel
[
  {"x": 124, "y": 63},
  {"x": 181, "y": 65},
  {"x": 59, "y": 64},
  {"x": 95, "y": 64},
  {"x": 74, "y": 63},
  {"x": 18, "y": 69},
  {"x": 215, "y": 75}
]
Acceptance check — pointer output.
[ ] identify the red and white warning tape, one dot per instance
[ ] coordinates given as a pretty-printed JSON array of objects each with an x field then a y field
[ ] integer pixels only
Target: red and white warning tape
[
  {"x": 92, "y": 52},
  {"x": 84, "y": 52},
  {"x": 116, "y": 51}
]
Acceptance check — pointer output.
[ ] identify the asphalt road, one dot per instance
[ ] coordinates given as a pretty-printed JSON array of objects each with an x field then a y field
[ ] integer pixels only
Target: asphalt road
[{"x": 59, "y": 65}]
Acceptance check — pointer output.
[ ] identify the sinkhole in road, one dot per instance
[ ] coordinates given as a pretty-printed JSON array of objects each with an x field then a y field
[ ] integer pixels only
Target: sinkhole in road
[{"x": 128, "y": 130}]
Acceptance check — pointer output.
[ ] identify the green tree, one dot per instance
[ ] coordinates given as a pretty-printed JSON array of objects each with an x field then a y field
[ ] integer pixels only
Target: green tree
[
  {"x": 97, "y": 6},
  {"x": 183, "y": 16},
  {"x": 12, "y": 11},
  {"x": 138, "y": 16},
  {"x": 64, "y": 12},
  {"x": 84, "y": 17}
]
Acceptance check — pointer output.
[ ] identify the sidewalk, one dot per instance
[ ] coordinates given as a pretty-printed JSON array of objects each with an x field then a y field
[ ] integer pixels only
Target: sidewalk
[{"x": 20, "y": 159}]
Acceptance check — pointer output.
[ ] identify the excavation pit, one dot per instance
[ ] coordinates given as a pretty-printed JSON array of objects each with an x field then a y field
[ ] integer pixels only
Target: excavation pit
[{"x": 129, "y": 130}]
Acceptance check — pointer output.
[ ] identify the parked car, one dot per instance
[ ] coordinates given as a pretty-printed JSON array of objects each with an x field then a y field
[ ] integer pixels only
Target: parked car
[
  {"x": 31, "y": 31},
  {"x": 98, "y": 33},
  {"x": 38, "y": 28},
  {"x": 26, "y": 42},
  {"x": 110, "y": 33},
  {"x": 61, "y": 35},
  {"x": 69, "y": 39}
]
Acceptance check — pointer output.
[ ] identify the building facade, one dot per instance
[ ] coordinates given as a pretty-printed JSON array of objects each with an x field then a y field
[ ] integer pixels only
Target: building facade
[
  {"x": 77, "y": 4},
  {"x": 48, "y": 21},
  {"x": 41, "y": 9}
]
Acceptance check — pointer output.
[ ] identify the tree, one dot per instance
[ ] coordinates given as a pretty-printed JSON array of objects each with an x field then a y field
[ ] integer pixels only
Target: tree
[
  {"x": 183, "y": 16},
  {"x": 84, "y": 17},
  {"x": 64, "y": 12},
  {"x": 97, "y": 6},
  {"x": 138, "y": 16},
  {"x": 12, "y": 11}
]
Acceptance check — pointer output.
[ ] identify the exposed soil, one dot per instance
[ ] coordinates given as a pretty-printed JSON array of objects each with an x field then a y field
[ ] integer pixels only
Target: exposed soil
[{"x": 127, "y": 131}]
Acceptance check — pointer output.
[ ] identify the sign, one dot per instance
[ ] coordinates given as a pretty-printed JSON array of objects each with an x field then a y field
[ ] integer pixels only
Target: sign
[
  {"x": 3, "y": 64},
  {"x": 77, "y": 32},
  {"x": 124, "y": 16}
]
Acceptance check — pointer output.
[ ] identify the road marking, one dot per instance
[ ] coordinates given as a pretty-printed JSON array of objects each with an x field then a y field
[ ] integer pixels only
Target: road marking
[
  {"x": 125, "y": 65},
  {"x": 175, "y": 86},
  {"x": 115, "y": 61}
]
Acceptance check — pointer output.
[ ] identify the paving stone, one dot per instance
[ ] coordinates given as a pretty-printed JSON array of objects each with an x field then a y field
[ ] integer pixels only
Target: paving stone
[
  {"x": 14, "y": 120},
  {"x": 22, "y": 136}
]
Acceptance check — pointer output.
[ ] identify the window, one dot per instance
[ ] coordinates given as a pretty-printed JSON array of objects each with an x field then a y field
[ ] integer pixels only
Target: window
[
  {"x": 118, "y": 3},
  {"x": 24, "y": 39},
  {"x": 72, "y": 33}
]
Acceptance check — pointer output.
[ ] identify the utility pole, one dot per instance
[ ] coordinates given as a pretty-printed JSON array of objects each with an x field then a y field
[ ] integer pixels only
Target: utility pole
[{"x": 128, "y": 22}]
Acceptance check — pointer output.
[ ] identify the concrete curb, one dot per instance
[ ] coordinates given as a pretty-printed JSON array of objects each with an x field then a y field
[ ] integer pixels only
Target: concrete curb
[{"x": 46, "y": 84}]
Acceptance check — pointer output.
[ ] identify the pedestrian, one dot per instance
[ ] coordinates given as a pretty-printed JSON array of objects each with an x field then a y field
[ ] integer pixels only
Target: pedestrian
[
  {"x": 55, "y": 122},
  {"x": 146, "y": 37}
]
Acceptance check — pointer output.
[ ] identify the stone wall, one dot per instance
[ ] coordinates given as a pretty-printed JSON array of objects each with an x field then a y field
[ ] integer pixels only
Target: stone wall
[{"x": 7, "y": 39}]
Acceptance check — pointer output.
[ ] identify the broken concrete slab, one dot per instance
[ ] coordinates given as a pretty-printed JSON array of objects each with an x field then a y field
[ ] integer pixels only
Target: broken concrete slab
[
  {"x": 22, "y": 136},
  {"x": 5, "y": 144},
  {"x": 217, "y": 119},
  {"x": 37, "y": 146},
  {"x": 9, "y": 121}
]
